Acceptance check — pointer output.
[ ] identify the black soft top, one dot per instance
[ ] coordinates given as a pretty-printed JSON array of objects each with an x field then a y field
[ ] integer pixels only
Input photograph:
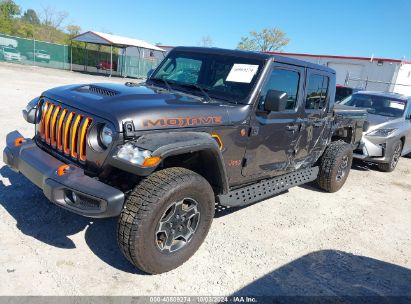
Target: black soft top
[{"x": 255, "y": 55}]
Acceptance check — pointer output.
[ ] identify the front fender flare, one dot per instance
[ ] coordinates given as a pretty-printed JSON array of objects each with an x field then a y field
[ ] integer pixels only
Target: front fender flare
[{"x": 166, "y": 144}]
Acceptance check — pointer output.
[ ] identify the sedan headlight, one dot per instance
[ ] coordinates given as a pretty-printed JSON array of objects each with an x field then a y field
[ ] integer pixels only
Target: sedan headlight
[
  {"x": 137, "y": 156},
  {"x": 382, "y": 132},
  {"x": 29, "y": 112},
  {"x": 106, "y": 136}
]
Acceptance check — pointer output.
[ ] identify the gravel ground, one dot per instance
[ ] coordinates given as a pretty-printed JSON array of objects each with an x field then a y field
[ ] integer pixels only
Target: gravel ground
[{"x": 353, "y": 242}]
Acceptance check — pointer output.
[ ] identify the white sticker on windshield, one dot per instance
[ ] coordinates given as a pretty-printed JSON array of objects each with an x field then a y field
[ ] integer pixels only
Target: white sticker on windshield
[
  {"x": 397, "y": 105},
  {"x": 242, "y": 73}
]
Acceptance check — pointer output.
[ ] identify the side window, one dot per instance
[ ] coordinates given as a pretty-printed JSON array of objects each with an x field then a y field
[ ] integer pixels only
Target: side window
[
  {"x": 282, "y": 80},
  {"x": 316, "y": 96}
]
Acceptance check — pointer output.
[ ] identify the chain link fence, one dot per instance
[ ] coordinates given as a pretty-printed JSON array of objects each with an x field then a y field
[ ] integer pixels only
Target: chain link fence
[
  {"x": 58, "y": 56},
  {"x": 373, "y": 85}
]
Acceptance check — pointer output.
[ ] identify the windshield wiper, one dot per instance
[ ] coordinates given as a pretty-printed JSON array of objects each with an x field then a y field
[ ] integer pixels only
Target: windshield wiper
[
  {"x": 198, "y": 87},
  {"x": 165, "y": 82}
]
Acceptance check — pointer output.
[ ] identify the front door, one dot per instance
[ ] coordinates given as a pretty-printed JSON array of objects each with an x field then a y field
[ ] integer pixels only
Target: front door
[
  {"x": 407, "y": 142},
  {"x": 270, "y": 148}
]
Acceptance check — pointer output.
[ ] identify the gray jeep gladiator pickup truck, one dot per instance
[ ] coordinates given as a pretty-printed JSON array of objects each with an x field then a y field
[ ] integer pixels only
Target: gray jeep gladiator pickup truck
[{"x": 208, "y": 126}]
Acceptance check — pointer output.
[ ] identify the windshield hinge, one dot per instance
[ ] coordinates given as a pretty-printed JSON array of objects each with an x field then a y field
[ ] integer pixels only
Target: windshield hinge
[{"x": 128, "y": 127}]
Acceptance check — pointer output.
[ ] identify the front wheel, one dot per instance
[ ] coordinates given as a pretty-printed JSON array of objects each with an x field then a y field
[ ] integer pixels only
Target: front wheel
[
  {"x": 395, "y": 157},
  {"x": 165, "y": 219},
  {"x": 335, "y": 166}
]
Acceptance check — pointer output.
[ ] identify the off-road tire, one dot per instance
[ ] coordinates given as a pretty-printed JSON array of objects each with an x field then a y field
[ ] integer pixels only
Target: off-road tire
[
  {"x": 145, "y": 206},
  {"x": 336, "y": 154},
  {"x": 390, "y": 166}
]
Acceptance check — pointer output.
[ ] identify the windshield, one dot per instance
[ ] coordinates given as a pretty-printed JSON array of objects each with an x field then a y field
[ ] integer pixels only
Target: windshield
[
  {"x": 342, "y": 92},
  {"x": 220, "y": 76},
  {"x": 378, "y": 105},
  {"x": 10, "y": 50}
]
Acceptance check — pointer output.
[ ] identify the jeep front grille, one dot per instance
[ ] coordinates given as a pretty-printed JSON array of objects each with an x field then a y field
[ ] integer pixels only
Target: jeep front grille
[{"x": 64, "y": 130}]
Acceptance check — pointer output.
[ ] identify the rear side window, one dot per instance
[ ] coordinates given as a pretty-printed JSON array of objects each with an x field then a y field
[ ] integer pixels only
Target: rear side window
[
  {"x": 316, "y": 96},
  {"x": 282, "y": 80}
]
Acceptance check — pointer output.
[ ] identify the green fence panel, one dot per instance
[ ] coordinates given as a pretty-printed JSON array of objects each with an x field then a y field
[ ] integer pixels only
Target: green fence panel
[
  {"x": 33, "y": 52},
  {"x": 136, "y": 67}
]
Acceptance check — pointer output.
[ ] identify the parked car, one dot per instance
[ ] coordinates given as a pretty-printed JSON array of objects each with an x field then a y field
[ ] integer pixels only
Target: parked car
[
  {"x": 9, "y": 54},
  {"x": 39, "y": 56},
  {"x": 342, "y": 92},
  {"x": 106, "y": 65},
  {"x": 388, "y": 136},
  {"x": 159, "y": 155}
]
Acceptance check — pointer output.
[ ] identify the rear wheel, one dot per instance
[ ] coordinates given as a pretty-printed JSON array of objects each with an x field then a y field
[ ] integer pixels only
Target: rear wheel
[
  {"x": 165, "y": 219},
  {"x": 395, "y": 157},
  {"x": 335, "y": 166}
]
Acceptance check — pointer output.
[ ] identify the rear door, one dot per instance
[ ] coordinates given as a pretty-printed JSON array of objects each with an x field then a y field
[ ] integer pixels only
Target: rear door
[
  {"x": 270, "y": 148},
  {"x": 316, "y": 115}
]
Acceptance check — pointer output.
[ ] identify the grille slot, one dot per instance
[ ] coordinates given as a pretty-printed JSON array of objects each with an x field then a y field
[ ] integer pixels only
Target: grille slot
[{"x": 65, "y": 130}]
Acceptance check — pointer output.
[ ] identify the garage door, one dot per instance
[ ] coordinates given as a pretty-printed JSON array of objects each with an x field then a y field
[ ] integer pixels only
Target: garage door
[{"x": 342, "y": 70}]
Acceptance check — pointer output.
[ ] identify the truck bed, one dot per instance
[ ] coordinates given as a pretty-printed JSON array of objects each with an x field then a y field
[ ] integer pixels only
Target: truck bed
[{"x": 346, "y": 118}]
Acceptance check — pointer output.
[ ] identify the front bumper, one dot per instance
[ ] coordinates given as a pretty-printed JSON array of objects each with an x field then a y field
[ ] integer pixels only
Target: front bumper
[
  {"x": 94, "y": 198},
  {"x": 377, "y": 149}
]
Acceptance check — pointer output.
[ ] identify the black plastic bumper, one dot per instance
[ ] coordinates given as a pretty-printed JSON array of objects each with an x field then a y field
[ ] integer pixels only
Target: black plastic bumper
[{"x": 91, "y": 197}]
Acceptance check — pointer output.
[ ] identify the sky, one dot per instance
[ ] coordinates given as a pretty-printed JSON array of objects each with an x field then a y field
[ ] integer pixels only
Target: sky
[{"x": 333, "y": 27}]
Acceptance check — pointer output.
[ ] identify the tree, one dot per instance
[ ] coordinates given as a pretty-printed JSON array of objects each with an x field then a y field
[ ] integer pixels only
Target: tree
[
  {"x": 53, "y": 18},
  {"x": 268, "y": 40},
  {"x": 9, "y": 9},
  {"x": 51, "y": 21},
  {"x": 73, "y": 30},
  {"x": 30, "y": 16},
  {"x": 206, "y": 41}
]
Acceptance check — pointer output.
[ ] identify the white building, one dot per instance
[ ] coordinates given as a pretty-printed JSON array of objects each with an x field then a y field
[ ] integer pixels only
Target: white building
[{"x": 376, "y": 74}]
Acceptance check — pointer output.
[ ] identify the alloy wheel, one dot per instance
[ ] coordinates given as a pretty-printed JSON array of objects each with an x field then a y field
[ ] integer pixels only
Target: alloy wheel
[{"x": 178, "y": 225}]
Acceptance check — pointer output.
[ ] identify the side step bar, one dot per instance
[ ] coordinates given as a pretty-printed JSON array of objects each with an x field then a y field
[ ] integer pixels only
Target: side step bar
[{"x": 267, "y": 188}]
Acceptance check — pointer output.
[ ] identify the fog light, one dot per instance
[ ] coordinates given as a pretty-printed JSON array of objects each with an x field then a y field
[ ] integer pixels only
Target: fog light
[
  {"x": 72, "y": 197},
  {"x": 75, "y": 197}
]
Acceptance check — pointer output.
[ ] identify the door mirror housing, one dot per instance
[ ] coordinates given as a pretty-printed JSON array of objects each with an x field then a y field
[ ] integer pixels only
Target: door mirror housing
[{"x": 275, "y": 101}]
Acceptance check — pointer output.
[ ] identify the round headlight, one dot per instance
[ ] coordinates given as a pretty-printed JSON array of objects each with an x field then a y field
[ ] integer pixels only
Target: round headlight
[
  {"x": 32, "y": 104},
  {"x": 106, "y": 136}
]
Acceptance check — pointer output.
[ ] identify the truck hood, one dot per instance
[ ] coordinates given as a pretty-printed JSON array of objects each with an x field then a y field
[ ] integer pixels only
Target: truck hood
[{"x": 147, "y": 107}]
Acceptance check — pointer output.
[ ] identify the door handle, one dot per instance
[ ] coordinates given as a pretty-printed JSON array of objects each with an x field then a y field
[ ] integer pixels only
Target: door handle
[{"x": 292, "y": 128}]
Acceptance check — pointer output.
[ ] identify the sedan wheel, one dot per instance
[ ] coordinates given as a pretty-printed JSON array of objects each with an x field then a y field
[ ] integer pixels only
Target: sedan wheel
[{"x": 396, "y": 154}]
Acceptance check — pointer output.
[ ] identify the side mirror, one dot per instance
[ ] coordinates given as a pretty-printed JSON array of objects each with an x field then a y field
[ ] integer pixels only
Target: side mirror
[
  {"x": 275, "y": 101},
  {"x": 150, "y": 72}
]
